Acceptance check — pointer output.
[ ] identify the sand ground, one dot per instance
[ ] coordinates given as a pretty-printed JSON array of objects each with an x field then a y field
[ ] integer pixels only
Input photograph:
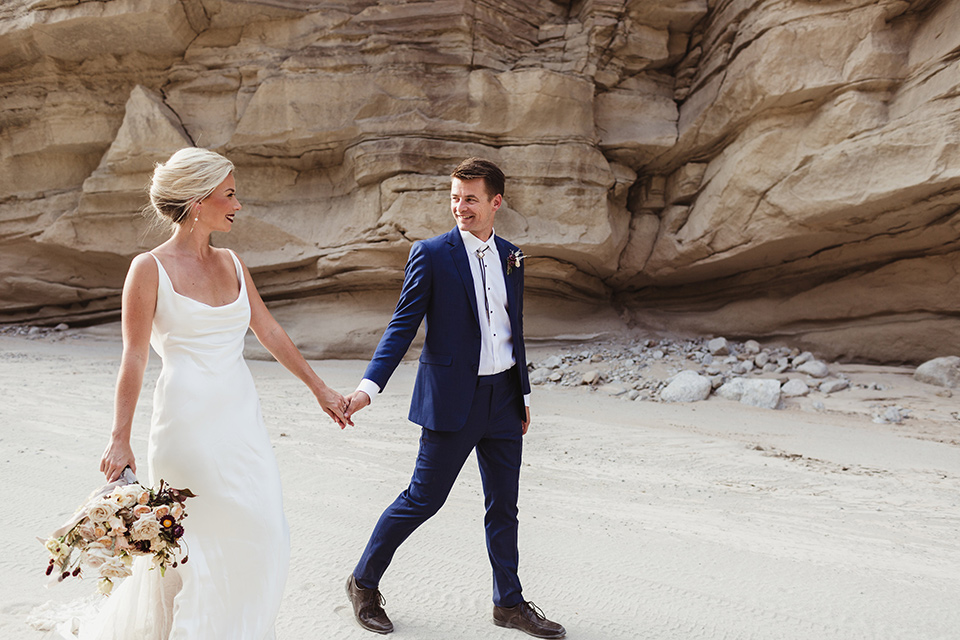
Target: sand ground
[{"x": 638, "y": 519}]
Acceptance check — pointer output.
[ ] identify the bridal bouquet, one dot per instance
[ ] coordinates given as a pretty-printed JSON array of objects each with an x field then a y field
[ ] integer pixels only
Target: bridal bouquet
[{"x": 119, "y": 521}]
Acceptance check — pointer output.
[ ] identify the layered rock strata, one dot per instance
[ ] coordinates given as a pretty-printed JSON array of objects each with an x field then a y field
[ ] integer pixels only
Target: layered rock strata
[{"x": 778, "y": 170}]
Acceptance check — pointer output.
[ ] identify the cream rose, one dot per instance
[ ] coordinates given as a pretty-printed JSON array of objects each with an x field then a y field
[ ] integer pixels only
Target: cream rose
[
  {"x": 116, "y": 525},
  {"x": 95, "y": 557},
  {"x": 87, "y": 532},
  {"x": 144, "y": 497},
  {"x": 126, "y": 496},
  {"x": 101, "y": 510},
  {"x": 141, "y": 509},
  {"x": 145, "y": 528},
  {"x": 176, "y": 511},
  {"x": 114, "y": 568},
  {"x": 161, "y": 511}
]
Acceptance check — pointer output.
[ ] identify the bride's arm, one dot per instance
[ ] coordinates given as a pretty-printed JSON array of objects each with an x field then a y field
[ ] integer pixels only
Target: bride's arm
[
  {"x": 138, "y": 306},
  {"x": 272, "y": 336}
]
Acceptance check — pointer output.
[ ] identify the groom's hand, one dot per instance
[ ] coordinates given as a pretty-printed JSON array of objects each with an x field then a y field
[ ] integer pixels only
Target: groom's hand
[
  {"x": 526, "y": 422},
  {"x": 358, "y": 400}
]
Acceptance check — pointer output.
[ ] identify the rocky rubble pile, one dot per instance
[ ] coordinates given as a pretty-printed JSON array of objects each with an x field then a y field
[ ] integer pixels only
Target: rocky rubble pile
[
  {"x": 693, "y": 370},
  {"x": 34, "y": 332}
]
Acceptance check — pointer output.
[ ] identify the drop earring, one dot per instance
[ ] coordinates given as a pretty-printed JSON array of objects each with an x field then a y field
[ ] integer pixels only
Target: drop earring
[{"x": 196, "y": 218}]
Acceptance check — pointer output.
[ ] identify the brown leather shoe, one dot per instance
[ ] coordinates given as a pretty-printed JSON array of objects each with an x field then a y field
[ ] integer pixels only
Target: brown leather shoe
[
  {"x": 368, "y": 607},
  {"x": 527, "y": 617}
]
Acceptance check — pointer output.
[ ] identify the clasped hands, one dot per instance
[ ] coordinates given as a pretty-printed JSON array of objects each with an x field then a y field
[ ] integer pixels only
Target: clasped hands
[
  {"x": 358, "y": 400},
  {"x": 340, "y": 408}
]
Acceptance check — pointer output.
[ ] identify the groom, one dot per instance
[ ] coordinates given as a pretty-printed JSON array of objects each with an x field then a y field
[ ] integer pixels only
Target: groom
[{"x": 471, "y": 392}]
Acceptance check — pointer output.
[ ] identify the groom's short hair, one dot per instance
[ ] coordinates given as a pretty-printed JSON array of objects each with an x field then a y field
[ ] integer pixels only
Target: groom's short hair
[{"x": 473, "y": 168}]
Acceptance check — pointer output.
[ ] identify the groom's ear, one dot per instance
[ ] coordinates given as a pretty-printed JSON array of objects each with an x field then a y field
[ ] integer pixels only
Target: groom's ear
[{"x": 496, "y": 202}]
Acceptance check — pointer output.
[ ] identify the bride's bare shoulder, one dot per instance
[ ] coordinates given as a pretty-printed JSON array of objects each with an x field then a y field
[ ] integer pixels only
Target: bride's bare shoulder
[{"x": 143, "y": 267}]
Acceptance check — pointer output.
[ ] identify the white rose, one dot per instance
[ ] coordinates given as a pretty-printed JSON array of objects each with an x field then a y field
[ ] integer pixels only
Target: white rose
[
  {"x": 126, "y": 496},
  {"x": 114, "y": 568},
  {"x": 87, "y": 531},
  {"x": 145, "y": 528},
  {"x": 100, "y": 510},
  {"x": 95, "y": 557},
  {"x": 116, "y": 525}
]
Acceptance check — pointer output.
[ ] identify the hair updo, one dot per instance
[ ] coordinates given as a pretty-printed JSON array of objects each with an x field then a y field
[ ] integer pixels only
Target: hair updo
[{"x": 189, "y": 176}]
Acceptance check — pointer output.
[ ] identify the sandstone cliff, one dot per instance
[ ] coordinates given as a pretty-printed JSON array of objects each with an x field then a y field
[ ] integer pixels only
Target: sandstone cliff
[{"x": 770, "y": 170}]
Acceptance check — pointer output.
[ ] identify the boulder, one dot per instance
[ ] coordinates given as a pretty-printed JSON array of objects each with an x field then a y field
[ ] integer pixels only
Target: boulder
[
  {"x": 764, "y": 393},
  {"x": 732, "y": 390},
  {"x": 686, "y": 386},
  {"x": 552, "y": 362},
  {"x": 833, "y": 385},
  {"x": 794, "y": 389},
  {"x": 943, "y": 372},
  {"x": 539, "y": 376},
  {"x": 590, "y": 377},
  {"x": 814, "y": 369},
  {"x": 718, "y": 347}
]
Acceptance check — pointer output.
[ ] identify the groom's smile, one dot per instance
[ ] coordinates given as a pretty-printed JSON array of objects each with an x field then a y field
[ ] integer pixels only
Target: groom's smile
[{"x": 472, "y": 207}]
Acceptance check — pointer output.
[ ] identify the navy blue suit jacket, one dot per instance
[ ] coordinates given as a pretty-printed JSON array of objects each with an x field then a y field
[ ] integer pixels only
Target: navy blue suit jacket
[{"x": 438, "y": 286}]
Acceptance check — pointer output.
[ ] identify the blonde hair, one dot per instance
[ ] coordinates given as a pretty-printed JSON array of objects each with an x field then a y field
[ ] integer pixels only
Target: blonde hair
[{"x": 189, "y": 176}]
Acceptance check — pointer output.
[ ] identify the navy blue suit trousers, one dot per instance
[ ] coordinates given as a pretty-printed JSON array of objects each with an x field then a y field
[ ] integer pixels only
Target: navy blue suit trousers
[{"x": 494, "y": 429}]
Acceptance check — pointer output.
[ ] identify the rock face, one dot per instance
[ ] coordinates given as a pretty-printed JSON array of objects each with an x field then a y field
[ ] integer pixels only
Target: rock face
[{"x": 774, "y": 170}]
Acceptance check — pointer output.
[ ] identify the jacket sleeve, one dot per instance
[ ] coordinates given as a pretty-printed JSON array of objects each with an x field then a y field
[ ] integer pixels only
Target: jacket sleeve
[
  {"x": 522, "y": 351},
  {"x": 403, "y": 326}
]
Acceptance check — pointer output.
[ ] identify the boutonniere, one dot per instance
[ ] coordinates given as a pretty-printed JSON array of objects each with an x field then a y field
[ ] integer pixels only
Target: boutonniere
[{"x": 514, "y": 260}]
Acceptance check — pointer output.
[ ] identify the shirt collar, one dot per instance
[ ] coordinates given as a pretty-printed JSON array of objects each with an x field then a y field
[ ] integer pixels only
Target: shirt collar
[{"x": 472, "y": 242}]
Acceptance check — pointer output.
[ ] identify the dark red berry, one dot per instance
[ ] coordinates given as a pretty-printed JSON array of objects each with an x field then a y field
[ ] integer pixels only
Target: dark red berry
[{"x": 50, "y": 568}]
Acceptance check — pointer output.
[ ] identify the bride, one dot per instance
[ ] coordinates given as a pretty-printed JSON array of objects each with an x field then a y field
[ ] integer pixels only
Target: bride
[{"x": 193, "y": 303}]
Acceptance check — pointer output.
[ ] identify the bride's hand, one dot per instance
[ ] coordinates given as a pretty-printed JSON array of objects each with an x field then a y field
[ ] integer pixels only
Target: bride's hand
[
  {"x": 333, "y": 404},
  {"x": 117, "y": 457}
]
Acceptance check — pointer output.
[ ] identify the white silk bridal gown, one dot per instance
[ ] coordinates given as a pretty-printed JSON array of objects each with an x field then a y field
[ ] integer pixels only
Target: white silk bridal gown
[{"x": 207, "y": 434}]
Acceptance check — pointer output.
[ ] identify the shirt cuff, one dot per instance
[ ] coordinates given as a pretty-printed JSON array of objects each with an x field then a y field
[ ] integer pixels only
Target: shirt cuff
[
  {"x": 369, "y": 387},
  {"x": 526, "y": 400}
]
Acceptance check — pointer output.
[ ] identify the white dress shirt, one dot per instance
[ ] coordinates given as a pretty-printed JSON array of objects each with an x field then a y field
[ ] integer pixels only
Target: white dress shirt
[{"x": 496, "y": 335}]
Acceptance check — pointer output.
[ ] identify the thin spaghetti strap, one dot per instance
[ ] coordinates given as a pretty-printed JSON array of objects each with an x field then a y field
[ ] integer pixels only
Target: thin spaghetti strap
[
  {"x": 160, "y": 266},
  {"x": 239, "y": 267}
]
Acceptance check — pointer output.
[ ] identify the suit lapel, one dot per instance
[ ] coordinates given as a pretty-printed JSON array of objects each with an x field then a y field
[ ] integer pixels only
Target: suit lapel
[
  {"x": 460, "y": 259},
  {"x": 504, "y": 250}
]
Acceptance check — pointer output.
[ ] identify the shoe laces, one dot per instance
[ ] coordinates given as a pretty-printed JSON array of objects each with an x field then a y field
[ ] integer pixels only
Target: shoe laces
[
  {"x": 374, "y": 599},
  {"x": 536, "y": 610}
]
